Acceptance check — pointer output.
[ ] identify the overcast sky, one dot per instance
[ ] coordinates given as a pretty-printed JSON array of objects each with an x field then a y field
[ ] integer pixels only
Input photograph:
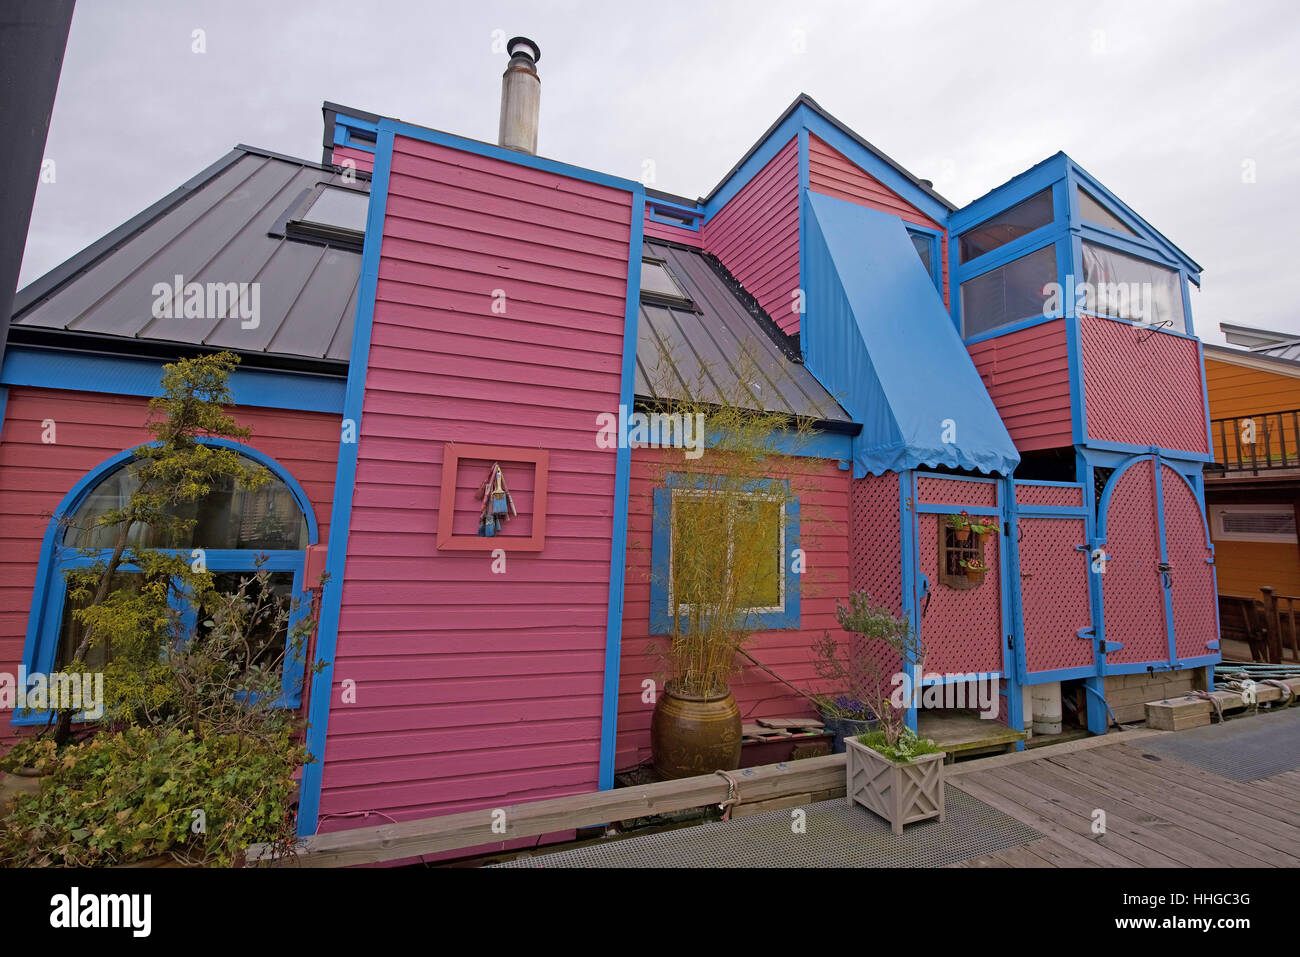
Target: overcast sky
[{"x": 1174, "y": 106}]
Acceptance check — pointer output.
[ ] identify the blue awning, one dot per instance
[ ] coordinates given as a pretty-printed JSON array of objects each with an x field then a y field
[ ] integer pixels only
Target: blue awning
[{"x": 878, "y": 337}]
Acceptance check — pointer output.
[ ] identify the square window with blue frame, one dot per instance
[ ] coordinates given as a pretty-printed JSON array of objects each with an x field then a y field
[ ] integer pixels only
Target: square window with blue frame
[{"x": 719, "y": 550}]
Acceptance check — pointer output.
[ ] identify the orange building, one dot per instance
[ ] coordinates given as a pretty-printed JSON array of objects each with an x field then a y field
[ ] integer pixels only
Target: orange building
[{"x": 1252, "y": 490}]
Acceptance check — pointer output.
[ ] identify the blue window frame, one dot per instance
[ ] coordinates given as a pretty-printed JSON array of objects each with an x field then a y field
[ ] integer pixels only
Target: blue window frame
[
  {"x": 785, "y": 613},
  {"x": 927, "y": 247},
  {"x": 59, "y": 555}
]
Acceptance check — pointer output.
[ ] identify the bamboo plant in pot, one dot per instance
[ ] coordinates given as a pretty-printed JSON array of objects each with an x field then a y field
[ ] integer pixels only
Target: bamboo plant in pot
[
  {"x": 890, "y": 771},
  {"x": 726, "y": 566}
]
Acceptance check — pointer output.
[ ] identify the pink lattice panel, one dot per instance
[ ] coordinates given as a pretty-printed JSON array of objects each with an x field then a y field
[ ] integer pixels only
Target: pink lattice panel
[
  {"x": 1056, "y": 496},
  {"x": 941, "y": 491},
  {"x": 1142, "y": 387},
  {"x": 1054, "y": 593},
  {"x": 1196, "y": 607},
  {"x": 875, "y": 546},
  {"x": 962, "y": 629},
  {"x": 1132, "y": 596}
]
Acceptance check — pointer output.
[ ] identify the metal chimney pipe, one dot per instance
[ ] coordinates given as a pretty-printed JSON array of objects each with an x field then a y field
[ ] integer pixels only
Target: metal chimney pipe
[{"x": 521, "y": 96}]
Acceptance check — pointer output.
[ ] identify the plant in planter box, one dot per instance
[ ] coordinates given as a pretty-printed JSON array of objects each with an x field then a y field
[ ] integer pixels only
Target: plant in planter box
[
  {"x": 843, "y": 713},
  {"x": 889, "y": 770},
  {"x": 725, "y": 565},
  {"x": 984, "y": 529},
  {"x": 961, "y": 526}
]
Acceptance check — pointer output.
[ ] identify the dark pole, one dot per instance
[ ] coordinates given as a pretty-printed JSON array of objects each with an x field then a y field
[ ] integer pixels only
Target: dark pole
[{"x": 33, "y": 35}]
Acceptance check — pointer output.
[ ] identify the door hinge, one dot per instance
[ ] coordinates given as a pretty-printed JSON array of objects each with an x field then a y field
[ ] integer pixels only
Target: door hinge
[{"x": 1011, "y": 641}]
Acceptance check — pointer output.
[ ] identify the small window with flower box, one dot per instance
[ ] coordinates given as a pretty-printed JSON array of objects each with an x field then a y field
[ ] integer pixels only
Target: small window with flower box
[{"x": 961, "y": 549}]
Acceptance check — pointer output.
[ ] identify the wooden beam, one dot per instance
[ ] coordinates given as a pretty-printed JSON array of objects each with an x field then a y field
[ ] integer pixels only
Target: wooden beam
[{"x": 450, "y": 832}]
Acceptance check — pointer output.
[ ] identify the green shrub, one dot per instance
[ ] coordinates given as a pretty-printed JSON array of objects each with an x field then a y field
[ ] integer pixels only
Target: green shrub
[
  {"x": 909, "y": 746},
  {"x": 128, "y": 795}
]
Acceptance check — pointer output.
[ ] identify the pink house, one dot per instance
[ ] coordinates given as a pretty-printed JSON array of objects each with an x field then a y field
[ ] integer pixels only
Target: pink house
[{"x": 431, "y": 305}]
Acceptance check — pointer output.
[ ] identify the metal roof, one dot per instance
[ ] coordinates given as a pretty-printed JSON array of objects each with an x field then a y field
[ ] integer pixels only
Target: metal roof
[
  {"x": 224, "y": 226},
  {"x": 726, "y": 349}
]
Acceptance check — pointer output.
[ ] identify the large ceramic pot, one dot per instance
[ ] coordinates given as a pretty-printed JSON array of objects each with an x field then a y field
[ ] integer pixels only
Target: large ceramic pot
[
  {"x": 844, "y": 728},
  {"x": 692, "y": 734}
]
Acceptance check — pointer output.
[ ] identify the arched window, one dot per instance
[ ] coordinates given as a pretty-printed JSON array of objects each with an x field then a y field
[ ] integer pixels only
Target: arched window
[{"x": 235, "y": 527}]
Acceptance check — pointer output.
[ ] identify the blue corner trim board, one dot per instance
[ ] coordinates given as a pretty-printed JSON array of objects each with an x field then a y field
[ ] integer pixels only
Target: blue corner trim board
[
  {"x": 322, "y": 687},
  {"x": 622, "y": 482},
  {"x": 116, "y": 375},
  {"x": 41, "y": 640}
]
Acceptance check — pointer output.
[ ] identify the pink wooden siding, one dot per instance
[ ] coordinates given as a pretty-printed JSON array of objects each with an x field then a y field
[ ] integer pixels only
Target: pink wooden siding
[
  {"x": 364, "y": 161},
  {"x": 1132, "y": 600},
  {"x": 476, "y": 689},
  {"x": 677, "y": 234},
  {"x": 1196, "y": 611},
  {"x": 1027, "y": 375},
  {"x": 1142, "y": 387},
  {"x": 823, "y": 491},
  {"x": 834, "y": 174},
  {"x": 756, "y": 235},
  {"x": 90, "y": 428},
  {"x": 1054, "y": 592}
]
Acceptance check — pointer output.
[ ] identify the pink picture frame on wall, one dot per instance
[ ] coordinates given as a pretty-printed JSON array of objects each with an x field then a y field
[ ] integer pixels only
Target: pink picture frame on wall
[{"x": 453, "y": 453}]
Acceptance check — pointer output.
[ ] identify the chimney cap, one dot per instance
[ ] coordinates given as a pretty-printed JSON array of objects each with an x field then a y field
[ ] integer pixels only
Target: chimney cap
[{"x": 515, "y": 45}]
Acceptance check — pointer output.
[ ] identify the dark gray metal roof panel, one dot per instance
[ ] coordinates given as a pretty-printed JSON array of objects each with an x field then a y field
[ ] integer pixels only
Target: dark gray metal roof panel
[
  {"x": 721, "y": 351},
  {"x": 213, "y": 231}
]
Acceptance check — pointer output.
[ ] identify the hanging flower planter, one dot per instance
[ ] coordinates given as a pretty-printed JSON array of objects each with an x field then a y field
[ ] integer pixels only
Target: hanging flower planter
[
  {"x": 961, "y": 526},
  {"x": 974, "y": 569},
  {"x": 985, "y": 530}
]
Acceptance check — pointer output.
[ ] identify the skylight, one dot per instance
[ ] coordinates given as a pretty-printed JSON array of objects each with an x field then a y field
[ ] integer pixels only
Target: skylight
[
  {"x": 335, "y": 213},
  {"x": 657, "y": 281}
]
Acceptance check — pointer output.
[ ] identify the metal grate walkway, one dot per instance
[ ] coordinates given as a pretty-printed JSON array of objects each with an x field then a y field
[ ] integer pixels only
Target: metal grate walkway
[
  {"x": 836, "y": 834},
  {"x": 1243, "y": 749}
]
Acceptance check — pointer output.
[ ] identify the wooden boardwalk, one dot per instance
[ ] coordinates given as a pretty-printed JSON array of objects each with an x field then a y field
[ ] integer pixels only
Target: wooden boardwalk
[{"x": 1161, "y": 813}]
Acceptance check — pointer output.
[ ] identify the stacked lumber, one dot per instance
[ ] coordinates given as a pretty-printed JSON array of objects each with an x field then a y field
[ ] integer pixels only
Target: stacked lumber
[{"x": 1193, "y": 711}]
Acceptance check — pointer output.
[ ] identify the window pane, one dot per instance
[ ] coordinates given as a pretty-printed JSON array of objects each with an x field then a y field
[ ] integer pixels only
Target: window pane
[
  {"x": 1093, "y": 212},
  {"x": 72, "y": 631},
  {"x": 1126, "y": 287},
  {"x": 339, "y": 209},
  {"x": 1009, "y": 293},
  {"x": 747, "y": 544},
  {"x": 266, "y": 636},
  {"x": 924, "y": 248},
  {"x": 656, "y": 279},
  {"x": 266, "y": 518},
  {"x": 1024, "y": 217},
  {"x": 757, "y": 554}
]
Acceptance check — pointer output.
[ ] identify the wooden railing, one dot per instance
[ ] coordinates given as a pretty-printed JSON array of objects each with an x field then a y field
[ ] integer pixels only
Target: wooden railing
[
  {"x": 1281, "y": 610},
  {"x": 1254, "y": 443}
]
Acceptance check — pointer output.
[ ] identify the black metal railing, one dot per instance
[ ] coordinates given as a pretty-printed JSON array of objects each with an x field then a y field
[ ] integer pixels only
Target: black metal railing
[{"x": 1256, "y": 443}]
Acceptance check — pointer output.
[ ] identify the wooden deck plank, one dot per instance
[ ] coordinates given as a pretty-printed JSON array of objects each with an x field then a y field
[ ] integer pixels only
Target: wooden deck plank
[
  {"x": 1205, "y": 835},
  {"x": 1262, "y": 794},
  {"x": 1006, "y": 799},
  {"x": 1059, "y": 855},
  {"x": 1229, "y": 813},
  {"x": 1265, "y": 810},
  {"x": 1151, "y": 849},
  {"x": 1213, "y": 820},
  {"x": 1021, "y": 856}
]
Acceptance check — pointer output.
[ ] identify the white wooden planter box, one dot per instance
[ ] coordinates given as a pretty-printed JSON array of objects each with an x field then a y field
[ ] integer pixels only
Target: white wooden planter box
[{"x": 900, "y": 793}]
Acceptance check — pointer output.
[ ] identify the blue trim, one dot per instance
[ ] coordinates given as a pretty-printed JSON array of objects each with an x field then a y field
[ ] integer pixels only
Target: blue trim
[
  {"x": 936, "y": 251},
  {"x": 4, "y": 402},
  {"x": 661, "y": 623},
  {"x": 907, "y": 532},
  {"x": 653, "y": 207},
  {"x": 738, "y": 179},
  {"x": 322, "y": 686},
  {"x": 40, "y": 643},
  {"x": 115, "y": 375},
  {"x": 805, "y": 174},
  {"x": 622, "y": 480},
  {"x": 1015, "y": 190},
  {"x": 345, "y": 128}
]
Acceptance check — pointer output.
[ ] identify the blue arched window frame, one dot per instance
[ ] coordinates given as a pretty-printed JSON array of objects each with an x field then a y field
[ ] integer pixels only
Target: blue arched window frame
[{"x": 50, "y": 591}]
